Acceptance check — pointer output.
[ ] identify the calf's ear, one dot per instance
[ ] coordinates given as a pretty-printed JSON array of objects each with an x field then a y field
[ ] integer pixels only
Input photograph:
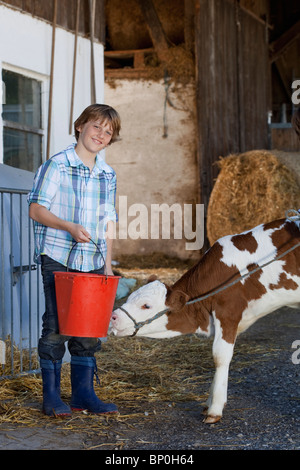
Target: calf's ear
[
  {"x": 176, "y": 299},
  {"x": 152, "y": 278}
]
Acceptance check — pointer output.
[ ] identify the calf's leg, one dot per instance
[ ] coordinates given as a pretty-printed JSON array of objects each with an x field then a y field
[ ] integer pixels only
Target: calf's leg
[{"x": 222, "y": 354}]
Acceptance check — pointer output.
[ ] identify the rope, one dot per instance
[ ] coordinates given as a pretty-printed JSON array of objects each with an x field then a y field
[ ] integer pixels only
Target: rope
[
  {"x": 97, "y": 248},
  {"x": 240, "y": 278}
]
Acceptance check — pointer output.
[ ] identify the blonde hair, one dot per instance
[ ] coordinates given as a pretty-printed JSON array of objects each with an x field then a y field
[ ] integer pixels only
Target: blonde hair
[{"x": 99, "y": 112}]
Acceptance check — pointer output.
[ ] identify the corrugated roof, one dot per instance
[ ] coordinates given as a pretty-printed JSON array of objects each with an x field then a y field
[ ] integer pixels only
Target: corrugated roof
[{"x": 14, "y": 178}]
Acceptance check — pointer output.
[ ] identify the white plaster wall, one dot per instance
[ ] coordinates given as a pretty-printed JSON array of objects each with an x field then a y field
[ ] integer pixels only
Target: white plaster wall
[
  {"x": 152, "y": 169},
  {"x": 25, "y": 47}
]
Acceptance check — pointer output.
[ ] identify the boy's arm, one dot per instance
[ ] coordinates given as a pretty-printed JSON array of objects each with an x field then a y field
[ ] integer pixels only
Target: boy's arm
[{"x": 42, "y": 215}]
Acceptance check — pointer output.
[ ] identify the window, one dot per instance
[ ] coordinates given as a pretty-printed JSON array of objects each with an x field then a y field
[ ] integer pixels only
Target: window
[{"x": 22, "y": 121}]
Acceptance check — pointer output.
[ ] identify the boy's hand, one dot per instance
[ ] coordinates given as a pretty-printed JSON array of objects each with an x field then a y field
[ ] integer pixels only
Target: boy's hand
[
  {"x": 45, "y": 217},
  {"x": 79, "y": 233},
  {"x": 109, "y": 271}
]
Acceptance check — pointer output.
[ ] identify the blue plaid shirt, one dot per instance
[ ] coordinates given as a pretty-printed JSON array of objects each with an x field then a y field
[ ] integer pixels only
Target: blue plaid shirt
[{"x": 65, "y": 186}]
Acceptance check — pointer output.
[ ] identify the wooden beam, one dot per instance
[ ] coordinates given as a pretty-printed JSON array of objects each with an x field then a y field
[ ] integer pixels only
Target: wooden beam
[
  {"x": 155, "y": 29},
  {"x": 74, "y": 66},
  {"x": 252, "y": 14},
  {"x": 279, "y": 46},
  {"x": 189, "y": 27},
  {"x": 51, "y": 78},
  {"x": 126, "y": 54},
  {"x": 101, "y": 20},
  {"x": 92, "y": 5},
  {"x": 282, "y": 71}
]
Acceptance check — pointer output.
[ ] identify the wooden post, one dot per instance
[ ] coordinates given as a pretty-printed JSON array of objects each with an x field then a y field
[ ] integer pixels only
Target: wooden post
[
  {"x": 92, "y": 27},
  {"x": 74, "y": 66},
  {"x": 240, "y": 78},
  {"x": 51, "y": 78},
  {"x": 155, "y": 29},
  {"x": 203, "y": 164},
  {"x": 278, "y": 47},
  {"x": 189, "y": 27}
]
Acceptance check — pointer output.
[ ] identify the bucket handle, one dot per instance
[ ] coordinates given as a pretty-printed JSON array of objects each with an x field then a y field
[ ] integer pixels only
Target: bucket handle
[{"x": 76, "y": 243}]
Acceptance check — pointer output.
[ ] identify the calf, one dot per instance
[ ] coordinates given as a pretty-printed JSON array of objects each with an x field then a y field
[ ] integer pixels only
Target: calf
[{"x": 240, "y": 300}]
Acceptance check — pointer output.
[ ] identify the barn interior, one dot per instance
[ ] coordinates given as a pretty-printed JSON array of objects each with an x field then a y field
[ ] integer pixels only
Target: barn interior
[
  {"x": 194, "y": 81},
  {"x": 206, "y": 90},
  {"x": 228, "y": 74}
]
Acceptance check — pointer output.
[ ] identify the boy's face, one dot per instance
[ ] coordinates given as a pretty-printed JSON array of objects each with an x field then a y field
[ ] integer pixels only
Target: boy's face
[{"x": 95, "y": 135}]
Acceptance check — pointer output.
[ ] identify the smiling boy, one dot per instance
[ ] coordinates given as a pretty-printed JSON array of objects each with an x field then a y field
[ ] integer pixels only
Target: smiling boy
[{"x": 73, "y": 196}]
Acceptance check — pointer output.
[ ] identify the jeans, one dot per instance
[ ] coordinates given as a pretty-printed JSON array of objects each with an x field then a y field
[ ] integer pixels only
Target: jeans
[{"x": 51, "y": 344}]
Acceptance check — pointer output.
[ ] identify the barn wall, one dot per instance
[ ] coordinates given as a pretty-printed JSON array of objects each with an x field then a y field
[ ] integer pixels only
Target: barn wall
[
  {"x": 232, "y": 102},
  {"x": 25, "y": 48},
  {"x": 152, "y": 169},
  {"x": 66, "y": 14},
  {"x": 218, "y": 121}
]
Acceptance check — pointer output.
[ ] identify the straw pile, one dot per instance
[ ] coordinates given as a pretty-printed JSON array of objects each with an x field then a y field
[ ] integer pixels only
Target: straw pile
[
  {"x": 140, "y": 375},
  {"x": 252, "y": 188},
  {"x": 145, "y": 378}
]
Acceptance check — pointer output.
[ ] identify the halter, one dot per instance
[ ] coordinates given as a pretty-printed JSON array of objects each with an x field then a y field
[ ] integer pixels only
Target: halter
[{"x": 139, "y": 324}]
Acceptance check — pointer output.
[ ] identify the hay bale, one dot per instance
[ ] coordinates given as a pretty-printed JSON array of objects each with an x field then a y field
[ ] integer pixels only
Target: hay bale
[
  {"x": 252, "y": 188},
  {"x": 291, "y": 160}
]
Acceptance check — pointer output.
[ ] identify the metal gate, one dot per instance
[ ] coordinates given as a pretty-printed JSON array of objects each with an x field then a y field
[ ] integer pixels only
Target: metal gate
[{"x": 21, "y": 293}]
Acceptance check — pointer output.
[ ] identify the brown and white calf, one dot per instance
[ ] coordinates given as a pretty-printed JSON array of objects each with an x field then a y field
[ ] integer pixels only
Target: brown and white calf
[{"x": 229, "y": 312}]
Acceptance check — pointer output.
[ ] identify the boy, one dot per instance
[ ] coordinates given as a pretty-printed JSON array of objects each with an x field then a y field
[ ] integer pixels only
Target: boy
[{"x": 73, "y": 200}]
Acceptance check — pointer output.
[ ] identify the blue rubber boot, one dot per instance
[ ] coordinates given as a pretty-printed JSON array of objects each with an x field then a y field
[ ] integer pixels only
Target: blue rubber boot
[
  {"x": 52, "y": 403},
  {"x": 82, "y": 381}
]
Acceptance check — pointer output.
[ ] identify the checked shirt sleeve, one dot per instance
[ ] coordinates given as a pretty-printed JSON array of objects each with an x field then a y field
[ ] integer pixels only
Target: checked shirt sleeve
[{"x": 46, "y": 184}]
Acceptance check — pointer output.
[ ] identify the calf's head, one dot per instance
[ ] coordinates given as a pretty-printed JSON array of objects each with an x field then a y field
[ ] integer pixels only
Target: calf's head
[{"x": 144, "y": 304}]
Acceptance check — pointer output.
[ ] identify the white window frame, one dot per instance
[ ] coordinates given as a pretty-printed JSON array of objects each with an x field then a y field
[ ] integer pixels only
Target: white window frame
[{"x": 44, "y": 80}]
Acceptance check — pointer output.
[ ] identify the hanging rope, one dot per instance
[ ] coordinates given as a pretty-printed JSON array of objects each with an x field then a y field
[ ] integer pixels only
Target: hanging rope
[{"x": 167, "y": 86}]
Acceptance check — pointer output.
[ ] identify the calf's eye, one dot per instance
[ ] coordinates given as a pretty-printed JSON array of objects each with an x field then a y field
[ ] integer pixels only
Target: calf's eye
[{"x": 145, "y": 306}]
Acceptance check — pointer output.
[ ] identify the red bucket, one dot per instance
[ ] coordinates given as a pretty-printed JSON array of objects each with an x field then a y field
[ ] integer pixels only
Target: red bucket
[{"x": 84, "y": 303}]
